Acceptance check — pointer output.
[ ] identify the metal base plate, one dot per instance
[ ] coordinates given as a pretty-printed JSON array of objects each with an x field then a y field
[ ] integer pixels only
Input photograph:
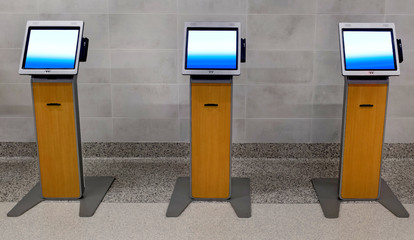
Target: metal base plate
[
  {"x": 327, "y": 193},
  {"x": 327, "y": 190},
  {"x": 239, "y": 200},
  {"x": 95, "y": 191},
  {"x": 31, "y": 199}
]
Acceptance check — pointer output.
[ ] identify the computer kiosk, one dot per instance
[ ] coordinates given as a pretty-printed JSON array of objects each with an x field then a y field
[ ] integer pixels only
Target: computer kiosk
[
  {"x": 51, "y": 54},
  {"x": 212, "y": 55},
  {"x": 370, "y": 53}
]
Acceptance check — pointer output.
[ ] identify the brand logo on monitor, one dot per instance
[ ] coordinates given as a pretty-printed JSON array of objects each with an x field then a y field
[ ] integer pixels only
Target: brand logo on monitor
[
  {"x": 210, "y": 71},
  {"x": 371, "y": 72},
  {"x": 47, "y": 71}
]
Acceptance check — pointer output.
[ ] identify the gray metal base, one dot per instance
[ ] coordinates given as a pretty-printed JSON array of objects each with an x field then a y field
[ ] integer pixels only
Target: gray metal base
[
  {"x": 327, "y": 191},
  {"x": 95, "y": 191},
  {"x": 239, "y": 200},
  {"x": 328, "y": 195}
]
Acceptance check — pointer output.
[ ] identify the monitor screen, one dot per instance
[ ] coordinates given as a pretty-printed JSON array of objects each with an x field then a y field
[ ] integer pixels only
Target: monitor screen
[
  {"x": 369, "y": 49},
  {"x": 213, "y": 49},
  {"x": 51, "y": 48}
]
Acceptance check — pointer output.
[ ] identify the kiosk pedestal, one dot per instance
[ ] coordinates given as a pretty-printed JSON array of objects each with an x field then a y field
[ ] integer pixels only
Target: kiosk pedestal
[
  {"x": 56, "y": 113},
  {"x": 210, "y": 179},
  {"x": 364, "y": 112}
]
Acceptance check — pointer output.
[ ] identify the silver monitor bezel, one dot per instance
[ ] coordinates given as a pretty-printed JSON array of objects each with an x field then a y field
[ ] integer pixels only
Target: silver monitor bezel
[
  {"x": 368, "y": 26},
  {"x": 58, "y": 24},
  {"x": 212, "y": 25}
]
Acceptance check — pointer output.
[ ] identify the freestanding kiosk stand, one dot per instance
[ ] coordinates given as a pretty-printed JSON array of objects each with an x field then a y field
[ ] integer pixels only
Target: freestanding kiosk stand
[
  {"x": 212, "y": 56},
  {"x": 51, "y": 54},
  {"x": 369, "y": 56}
]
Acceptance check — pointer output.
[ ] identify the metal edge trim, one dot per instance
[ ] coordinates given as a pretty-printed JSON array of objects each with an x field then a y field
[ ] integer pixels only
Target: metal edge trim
[
  {"x": 78, "y": 136},
  {"x": 32, "y": 80},
  {"x": 383, "y": 137},
  {"x": 345, "y": 104}
]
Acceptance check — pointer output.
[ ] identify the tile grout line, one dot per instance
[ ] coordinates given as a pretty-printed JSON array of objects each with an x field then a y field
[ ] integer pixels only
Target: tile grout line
[
  {"x": 112, "y": 136},
  {"x": 313, "y": 73}
]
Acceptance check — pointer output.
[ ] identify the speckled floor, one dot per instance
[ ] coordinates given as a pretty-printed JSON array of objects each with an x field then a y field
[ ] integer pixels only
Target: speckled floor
[
  {"x": 151, "y": 180},
  {"x": 205, "y": 220}
]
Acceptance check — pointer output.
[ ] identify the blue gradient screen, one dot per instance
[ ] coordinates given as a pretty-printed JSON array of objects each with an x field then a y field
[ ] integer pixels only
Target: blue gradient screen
[
  {"x": 368, "y": 50},
  {"x": 211, "y": 49},
  {"x": 51, "y": 49}
]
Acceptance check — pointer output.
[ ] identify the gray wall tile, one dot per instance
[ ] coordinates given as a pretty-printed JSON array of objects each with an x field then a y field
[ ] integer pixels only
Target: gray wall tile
[
  {"x": 279, "y": 101},
  {"x": 184, "y": 101},
  {"x": 288, "y": 67},
  {"x": 73, "y": 6},
  {"x": 146, "y": 130},
  {"x": 142, "y": 6},
  {"x": 399, "y": 130},
  {"x": 351, "y": 6},
  {"x": 18, "y": 6},
  {"x": 212, "y": 6},
  {"x": 328, "y": 101},
  {"x": 239, "y": 101},
  {"x": 94, "y": 100},
  {"x": 399, "y": 6},
  {"x": 406, "y": 69},
  {"x": 327, "y": 67},
  {"x": 145, "y": 101},
  {"x": 241, "y": 79},
  {"x": 96, "y": 129},
  {"x": 182, "y": 79},
  {"x": 238, "y": 131},
  {"x": 143, "y": 31},
  {"x": 95, "y": 28},
  {"x": 282, "y": 6},
  {"x": 326, "y": 130},
  {"x": 12, "y": 29},
  {"x": 184, "y": 130},
  {"x": 403, "y": 28},
  {"x": 9, "y": 67},
  {"x": 400, "y": 101},
  {"x": 280, "y": 31},
  {"x": 15, "y": 100},
  {"x": 17, "y": 129},
  {"x": 278, "y": 130},
  {"x": 156, "y": 66},
  {"x": 96, "y": 69},
  {"x": 327, "y": 28}
]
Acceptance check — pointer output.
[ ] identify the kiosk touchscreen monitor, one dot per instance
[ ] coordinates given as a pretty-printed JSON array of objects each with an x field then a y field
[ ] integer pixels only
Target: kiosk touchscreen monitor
[
  {"x": 212, "y": 48},
  {"x": 51, "y": 48},
  {"x": 368, "y": 49}
]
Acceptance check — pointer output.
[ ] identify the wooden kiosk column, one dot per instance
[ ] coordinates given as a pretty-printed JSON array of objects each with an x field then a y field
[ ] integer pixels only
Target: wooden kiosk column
[
  {"x": 210, "y": 139},
  {"x": 210, "y": 179},
  {"x": 363, "y": 120},
  {"x": 57, "y": 129},
  {"x": 56, "y": 115}
]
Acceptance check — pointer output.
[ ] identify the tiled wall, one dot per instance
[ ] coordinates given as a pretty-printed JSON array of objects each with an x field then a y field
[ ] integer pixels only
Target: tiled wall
[{"x": 131, "y": 88}]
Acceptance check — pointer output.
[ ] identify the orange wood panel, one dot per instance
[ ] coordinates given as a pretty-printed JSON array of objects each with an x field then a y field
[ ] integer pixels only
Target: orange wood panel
[
  {"x": 210, "y": 136},
  {"x": 363, "y": 141},
  {"x": 56, "y": 138}
]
